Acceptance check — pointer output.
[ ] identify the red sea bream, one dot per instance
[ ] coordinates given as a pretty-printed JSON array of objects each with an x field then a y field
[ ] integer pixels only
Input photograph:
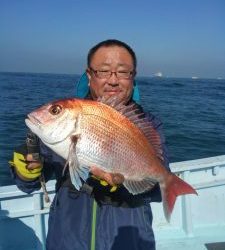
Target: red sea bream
[{"x": 112, "y": 137}]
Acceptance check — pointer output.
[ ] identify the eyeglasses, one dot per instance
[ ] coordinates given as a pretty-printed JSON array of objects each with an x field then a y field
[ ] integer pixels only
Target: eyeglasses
[{"x": 106, "y": 74}]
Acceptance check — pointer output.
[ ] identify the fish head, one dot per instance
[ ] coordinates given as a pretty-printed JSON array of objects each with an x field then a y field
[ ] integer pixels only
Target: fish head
[{"x": 55, "y": 121}]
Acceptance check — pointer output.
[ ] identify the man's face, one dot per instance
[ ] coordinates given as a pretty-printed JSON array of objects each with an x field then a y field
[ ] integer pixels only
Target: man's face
[{"x": 103, "y": 82}]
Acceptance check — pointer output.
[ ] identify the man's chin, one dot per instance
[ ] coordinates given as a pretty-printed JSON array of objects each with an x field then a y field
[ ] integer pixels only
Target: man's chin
[{"x": 119, "y": 96}]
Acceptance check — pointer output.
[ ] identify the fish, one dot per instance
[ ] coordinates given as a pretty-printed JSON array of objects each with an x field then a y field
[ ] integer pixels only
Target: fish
[{"x": 115, "y": 137}]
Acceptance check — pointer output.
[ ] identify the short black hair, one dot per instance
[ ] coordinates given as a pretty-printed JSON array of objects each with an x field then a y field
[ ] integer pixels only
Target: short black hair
[{"x": 109, "y": 43}]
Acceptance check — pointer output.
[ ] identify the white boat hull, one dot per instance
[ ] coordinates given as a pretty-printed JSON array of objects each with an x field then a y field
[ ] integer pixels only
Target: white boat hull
[{"x": 195, "y": 221}]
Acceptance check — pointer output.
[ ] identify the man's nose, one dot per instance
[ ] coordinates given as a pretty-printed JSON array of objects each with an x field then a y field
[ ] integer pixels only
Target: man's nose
[{"x": 113, "y": 80}]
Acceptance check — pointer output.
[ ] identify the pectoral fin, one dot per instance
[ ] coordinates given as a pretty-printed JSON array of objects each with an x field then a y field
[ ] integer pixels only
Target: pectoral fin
[{"x": 77, "y": 171}]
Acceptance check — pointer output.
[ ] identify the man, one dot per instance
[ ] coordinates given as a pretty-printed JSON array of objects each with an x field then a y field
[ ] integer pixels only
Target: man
[{"x": 103, "y": 215}]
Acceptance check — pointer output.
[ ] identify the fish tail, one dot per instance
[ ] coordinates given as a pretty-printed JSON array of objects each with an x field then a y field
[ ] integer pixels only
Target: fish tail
[{"x": 173, "y": 187}]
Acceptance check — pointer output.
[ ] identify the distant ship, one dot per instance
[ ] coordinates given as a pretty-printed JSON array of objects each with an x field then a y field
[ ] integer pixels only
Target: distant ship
[{"x": 158, "y": 74}]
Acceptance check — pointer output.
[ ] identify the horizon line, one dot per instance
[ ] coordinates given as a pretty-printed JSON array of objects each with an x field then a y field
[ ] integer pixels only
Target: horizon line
[{"x": 193, "y": 77}]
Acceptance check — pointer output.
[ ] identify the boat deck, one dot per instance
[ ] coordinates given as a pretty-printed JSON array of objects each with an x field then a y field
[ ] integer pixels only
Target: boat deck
[{"x": 197, "y": 222}]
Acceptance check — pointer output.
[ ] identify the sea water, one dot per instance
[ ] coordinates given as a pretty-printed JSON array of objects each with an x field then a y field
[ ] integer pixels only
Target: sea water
[{"x": 192, "y": 111}]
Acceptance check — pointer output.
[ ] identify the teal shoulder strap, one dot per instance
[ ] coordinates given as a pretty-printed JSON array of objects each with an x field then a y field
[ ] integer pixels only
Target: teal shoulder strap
[{"x": 81, "y": 88}]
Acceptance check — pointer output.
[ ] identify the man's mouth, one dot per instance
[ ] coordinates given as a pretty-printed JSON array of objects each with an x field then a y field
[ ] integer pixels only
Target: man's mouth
[{"x": 112, "y": 91}]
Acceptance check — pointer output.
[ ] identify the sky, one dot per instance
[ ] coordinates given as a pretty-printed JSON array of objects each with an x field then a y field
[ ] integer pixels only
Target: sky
[{"x": 178, "y": 38}]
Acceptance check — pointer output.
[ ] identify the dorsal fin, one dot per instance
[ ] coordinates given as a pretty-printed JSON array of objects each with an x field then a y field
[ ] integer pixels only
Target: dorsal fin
[{"x": 135, "y": 114}]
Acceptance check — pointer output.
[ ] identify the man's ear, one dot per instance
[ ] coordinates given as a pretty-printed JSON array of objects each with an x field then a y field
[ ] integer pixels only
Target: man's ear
[{"x": 88, "y": 74}]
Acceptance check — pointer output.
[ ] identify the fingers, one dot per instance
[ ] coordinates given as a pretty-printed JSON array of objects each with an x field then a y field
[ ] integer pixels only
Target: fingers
[
  {"x": 108, "y": 178},
  {"x": 117, "y": 178},
  {"x": 111, "y": 178},
  {"x": 29, "y": 157},
  {"x": 102, "y": 175},
  {"x": 32, "y": 164}
]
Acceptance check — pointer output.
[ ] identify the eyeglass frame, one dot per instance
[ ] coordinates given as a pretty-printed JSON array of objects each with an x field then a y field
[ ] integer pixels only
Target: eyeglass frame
[{"x": 131, "y": 73}]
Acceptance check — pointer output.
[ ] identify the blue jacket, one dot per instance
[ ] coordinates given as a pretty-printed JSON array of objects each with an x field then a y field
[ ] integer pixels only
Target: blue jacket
[{"x": 76, "y": 221}]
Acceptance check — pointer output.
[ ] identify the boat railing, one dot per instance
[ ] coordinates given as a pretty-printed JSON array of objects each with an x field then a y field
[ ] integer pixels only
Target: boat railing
[{"x": 196, "y": 222}]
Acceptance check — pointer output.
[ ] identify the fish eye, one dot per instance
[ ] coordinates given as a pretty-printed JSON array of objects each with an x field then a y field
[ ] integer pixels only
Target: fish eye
[{"x": 55, "y": 109}]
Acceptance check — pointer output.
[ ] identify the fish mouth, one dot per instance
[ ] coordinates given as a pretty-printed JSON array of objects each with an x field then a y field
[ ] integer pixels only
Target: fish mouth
[
  {"x": 33, "y": 123},
  {"x": 36, "y": 127},
  {"x": 34, "y": 120}
]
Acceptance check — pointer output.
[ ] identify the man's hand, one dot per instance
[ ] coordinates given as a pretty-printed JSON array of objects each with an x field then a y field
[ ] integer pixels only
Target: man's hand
[
  {"x": 25, "y": 166},
  {"x": 111, "y": 178},
  {"x": 31, "y": 163}
]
